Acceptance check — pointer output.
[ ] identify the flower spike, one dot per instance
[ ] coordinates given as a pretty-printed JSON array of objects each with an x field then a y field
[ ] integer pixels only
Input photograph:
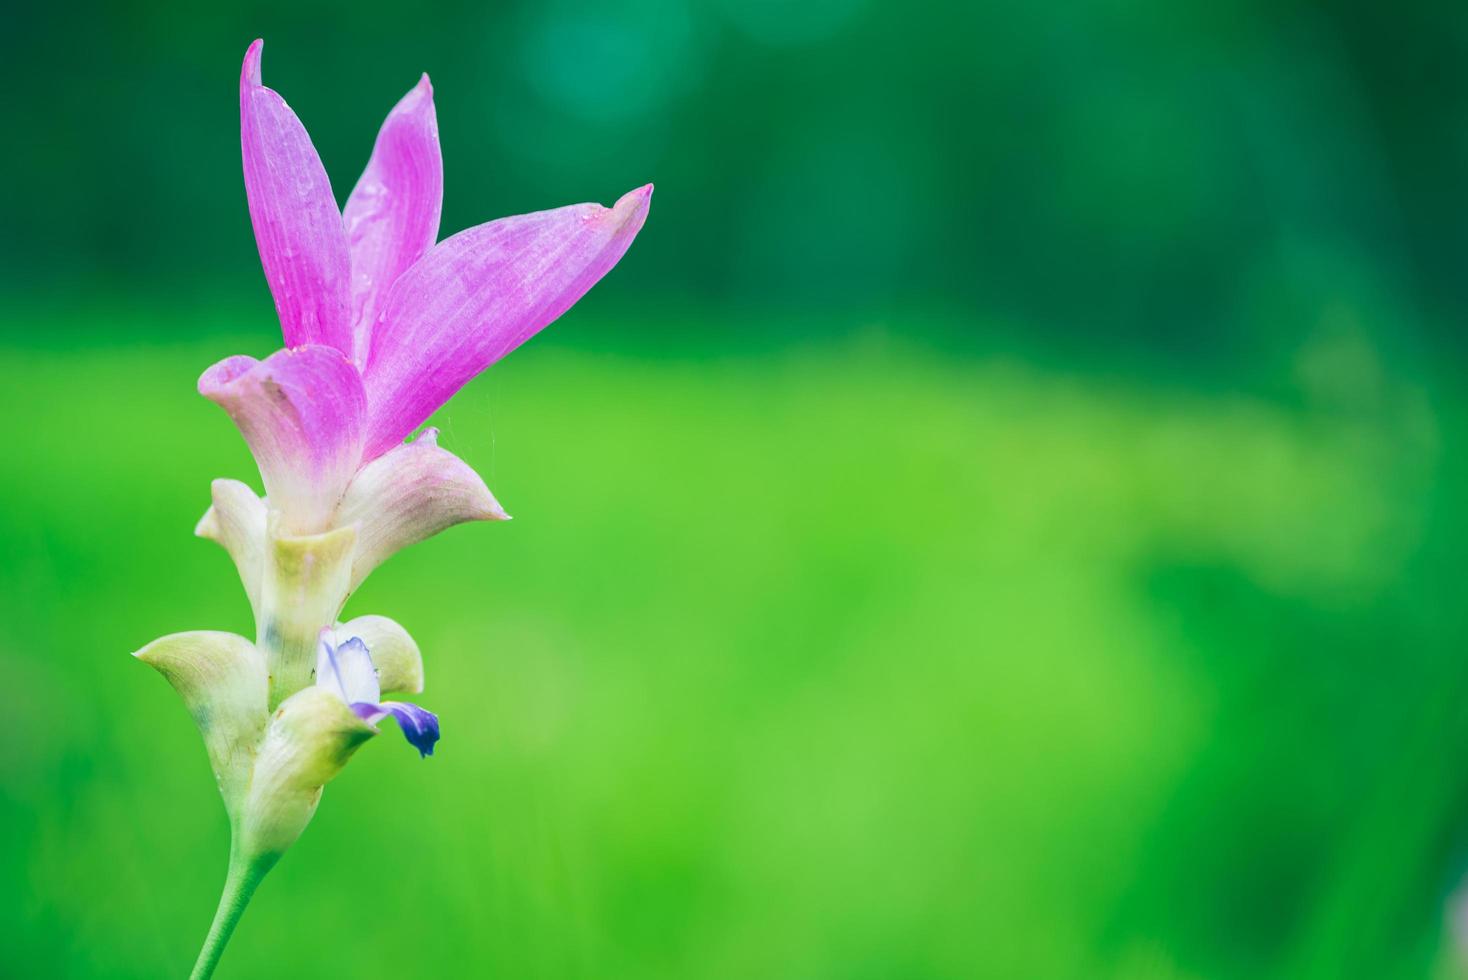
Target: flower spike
[{"x": 382, "y": 324}]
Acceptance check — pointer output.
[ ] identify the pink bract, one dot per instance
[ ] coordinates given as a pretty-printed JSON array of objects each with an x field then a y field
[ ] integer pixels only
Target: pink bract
[{"x": 381, "y": 324}]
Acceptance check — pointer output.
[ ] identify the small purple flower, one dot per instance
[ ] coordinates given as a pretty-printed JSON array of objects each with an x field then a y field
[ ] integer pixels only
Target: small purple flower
[
  {"x": 381, "y": 324},
  {"x": 347, "y": 671}
]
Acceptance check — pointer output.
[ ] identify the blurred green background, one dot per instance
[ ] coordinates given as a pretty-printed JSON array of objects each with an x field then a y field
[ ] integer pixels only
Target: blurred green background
[{"x": 1001, "y": 519}]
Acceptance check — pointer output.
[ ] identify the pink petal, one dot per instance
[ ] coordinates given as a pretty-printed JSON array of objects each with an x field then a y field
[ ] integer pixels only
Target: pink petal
[
  {"x": 477, "y": 296},
  {"x": 410, "y": 494},
  {"x": 301, "y": 412},
  {"x": 392, "y": 215},
  {"x": 303, "y": 246}
]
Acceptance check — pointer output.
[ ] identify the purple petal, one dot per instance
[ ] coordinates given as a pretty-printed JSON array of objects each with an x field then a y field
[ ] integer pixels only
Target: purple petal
[
  {"x": 477, "y": 296},
  {"x": 392, "y": 216},
  {"x": 303, "y": 246},
  {"x": 301, "y": 412},
  {"x": 346, "y": 669},
  {"x": 419, "y": 725},
  {"x": 408, "y": 495}
]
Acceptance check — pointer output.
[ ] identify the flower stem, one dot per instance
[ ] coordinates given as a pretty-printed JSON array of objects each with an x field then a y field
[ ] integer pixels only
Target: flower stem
[{"x": 239, "y": 885}]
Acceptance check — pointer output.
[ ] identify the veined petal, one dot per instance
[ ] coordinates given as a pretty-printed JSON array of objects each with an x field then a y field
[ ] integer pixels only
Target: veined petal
[
  {"x": 222, "y": 680},
  {"x": 310, "y": 738},
  {"x": 301, "y": 411},
  {"x": 236, "y": 520},
  {"x": 477, "y": 296},
  {"x": 303, "y": 246},
  {"x": 419, "y": 725},
  {"x": 392, "y": 216},
  {"x": 395, "y": 654},
  {"x": 408, "y": 494}
]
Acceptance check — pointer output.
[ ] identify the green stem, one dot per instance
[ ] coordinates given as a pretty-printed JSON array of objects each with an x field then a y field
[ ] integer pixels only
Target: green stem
[{"x": 239, "y": 885}]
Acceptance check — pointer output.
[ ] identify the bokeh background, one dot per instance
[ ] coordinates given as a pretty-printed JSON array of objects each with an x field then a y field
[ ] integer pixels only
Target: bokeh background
[{"x": 1001, "y": 519}]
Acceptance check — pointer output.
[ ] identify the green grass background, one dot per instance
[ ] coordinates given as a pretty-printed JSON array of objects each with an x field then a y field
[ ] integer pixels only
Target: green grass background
[
  {"x": 871, "y": 657},
  {"x": 1004, "y": 517}
]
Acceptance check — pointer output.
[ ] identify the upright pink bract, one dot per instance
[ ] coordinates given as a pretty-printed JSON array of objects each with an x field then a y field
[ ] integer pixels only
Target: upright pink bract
[
  {"x": 382, "y": 323},
  {"x": 297, "y": 225},
  {"x": 392, "y": 215}
]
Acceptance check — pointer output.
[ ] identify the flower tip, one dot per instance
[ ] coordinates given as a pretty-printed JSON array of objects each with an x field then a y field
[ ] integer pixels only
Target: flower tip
[
  {"x": 420, "y": 728},
  {"x": 217, "y": 377},
  {"x": 148, "y": 653},
  {"x": 486, "y": 508},
  {"x": 418, "y": 101},
  {"x": 631, "y": 209},
  {"x": 251, "y": 73},
  {"x": 208, "y": 526},
  {"x": 634, "y": 200}
]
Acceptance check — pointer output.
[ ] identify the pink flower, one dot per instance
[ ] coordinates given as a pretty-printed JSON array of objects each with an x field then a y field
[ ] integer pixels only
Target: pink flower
[{"x": 382, "y": 326}]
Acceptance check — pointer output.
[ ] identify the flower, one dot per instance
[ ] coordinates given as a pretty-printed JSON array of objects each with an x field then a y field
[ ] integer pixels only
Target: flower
[
  {"x": 382, "y": 325},
  {"x": 346, "y": 670}
]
